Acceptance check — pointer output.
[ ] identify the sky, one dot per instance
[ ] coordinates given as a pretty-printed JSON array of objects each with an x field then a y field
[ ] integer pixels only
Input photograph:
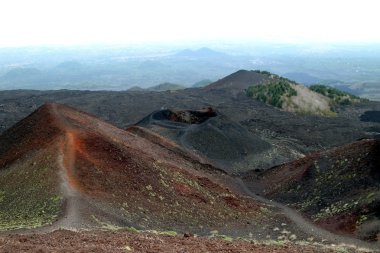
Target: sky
[{"x": 74, "y": 22}]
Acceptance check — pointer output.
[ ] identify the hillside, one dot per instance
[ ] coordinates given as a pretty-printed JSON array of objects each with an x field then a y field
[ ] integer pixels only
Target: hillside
[
  {"x": 63, "y": 167},
  {"x": 125, "y": 241},
  {"x": 239, "y": 80},
  {"x": 275, "y": 91},
  {"x": 289, "y": 96},
  {"x": 338, "y": 189},
  {"x": 225, "y": 143},
  {"x": 337, "y": 97}
]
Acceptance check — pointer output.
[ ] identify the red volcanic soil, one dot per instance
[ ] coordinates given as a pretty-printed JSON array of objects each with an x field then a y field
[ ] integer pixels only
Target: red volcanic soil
[
  {"x": 127, "y": 178},
  {"x": 68, "y": 241},
  {"x": 186, "y": 116},
  {"x": 339, "y": 189}
]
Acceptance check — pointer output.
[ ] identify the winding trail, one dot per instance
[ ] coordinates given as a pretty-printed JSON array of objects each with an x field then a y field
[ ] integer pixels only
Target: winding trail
[{"x": 305, "y": 225}]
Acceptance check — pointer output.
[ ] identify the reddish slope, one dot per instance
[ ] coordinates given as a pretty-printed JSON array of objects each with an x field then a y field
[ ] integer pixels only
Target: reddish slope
[
  {"x": 104, "y": 174},
  {"x": 339, "y": 188}
]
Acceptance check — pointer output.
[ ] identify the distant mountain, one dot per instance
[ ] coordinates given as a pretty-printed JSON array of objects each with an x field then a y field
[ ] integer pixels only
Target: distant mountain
[
  {"x": 201, "y": 53},
  {"x": 136, "y": 88},
  {"x": 202, "y": 83},
  {"x": 19, "y": 73},
  {"x": 166, "y": 86}
]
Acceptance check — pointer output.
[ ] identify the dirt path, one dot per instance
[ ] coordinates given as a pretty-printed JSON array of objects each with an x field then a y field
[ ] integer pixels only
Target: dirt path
[
  {"x": 305, "y": 225},
  {"x": 71, "y": 218},
  {"x": 73, "y": 199}
]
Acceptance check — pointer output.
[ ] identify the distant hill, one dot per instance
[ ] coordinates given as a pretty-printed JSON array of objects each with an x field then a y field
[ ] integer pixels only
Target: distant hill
[
  {"x": 159, "y": 87},
  {"x": 239, "y": 81},
  {"x": 136, "y": 88},
  {"x": 201, "y": 53},
  {"x": 166, "y": 86},
  {"x": 202, "y": 83},
  {"x": 19, "y": 73},
  {"x": 70, "y": 66}
]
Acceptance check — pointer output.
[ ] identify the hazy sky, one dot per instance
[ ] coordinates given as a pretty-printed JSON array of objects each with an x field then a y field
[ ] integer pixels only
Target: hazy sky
[{"x": 46, "y": 22}]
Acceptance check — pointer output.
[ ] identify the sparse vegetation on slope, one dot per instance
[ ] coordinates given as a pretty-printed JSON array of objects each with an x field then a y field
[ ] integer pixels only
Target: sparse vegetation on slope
[
  {"x": 337, "y": 96},
  {"x": 289, "y": 96},
  {"x": 274, "y": 76},
  {"x": 273, "y": 93},
  {"x": 339, "y": 188},
  {"x": 29, "y": 197}
]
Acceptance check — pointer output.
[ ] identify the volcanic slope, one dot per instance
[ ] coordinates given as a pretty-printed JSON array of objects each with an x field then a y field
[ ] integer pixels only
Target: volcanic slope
[
  {"x": 63, "y": 167},
  {"x": 224, "y": 142},
  {"x": 239, "y": 81},
  {"x": 339, "y": 189}
]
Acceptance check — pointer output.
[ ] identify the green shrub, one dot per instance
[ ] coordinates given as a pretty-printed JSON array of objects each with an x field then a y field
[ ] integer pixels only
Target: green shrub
[
  {"x": 272, "y": 93},
  {"x": 337, "y": 96}
]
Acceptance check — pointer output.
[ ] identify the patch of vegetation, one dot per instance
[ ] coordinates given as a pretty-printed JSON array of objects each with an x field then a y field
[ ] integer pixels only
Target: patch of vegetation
[
  {"x": 106, "y": 225},
  {"x": 133, "y": 229},
  {"x": 273, "y": 93},
  {"x": 29, "y": 197},
  {"x": 280, "y": 243},
  {"x": 274, "y": 76},
  {"x": 337, "y": 96},
  {"x": 169, "y": 233},
  {"x": 335, "y": 209},
  {"x": 223, "y": 237}
]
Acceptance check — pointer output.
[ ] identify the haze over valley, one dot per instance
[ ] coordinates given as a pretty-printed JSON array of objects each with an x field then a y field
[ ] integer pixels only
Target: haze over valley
[{"x": 352, "y": 68}]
